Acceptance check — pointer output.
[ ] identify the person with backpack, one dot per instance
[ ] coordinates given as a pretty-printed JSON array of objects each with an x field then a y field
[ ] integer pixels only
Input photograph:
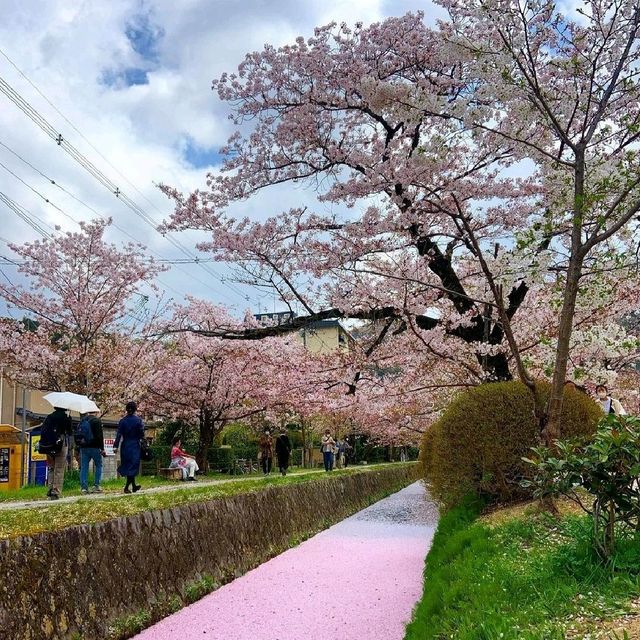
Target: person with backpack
[
  {"x": 609, "y": 404},
  {"x": 54, "y": 443},
  {"x": 130, "y": 433},
  {"x": 89, "y": 439},
  {"x": 283, "y": 451}
]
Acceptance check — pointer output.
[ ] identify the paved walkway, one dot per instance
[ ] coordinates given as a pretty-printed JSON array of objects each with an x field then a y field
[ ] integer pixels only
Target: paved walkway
[
  {"x": 357, "y": 580},
  {"x": 110, "y": 495}
]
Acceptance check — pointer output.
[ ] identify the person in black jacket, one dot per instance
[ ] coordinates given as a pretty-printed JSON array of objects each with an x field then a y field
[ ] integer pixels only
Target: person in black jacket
[
  {"x": 283, "y": 451},
  {"x": 92, "y": 450},
  {"x": 60, "y": 422}
]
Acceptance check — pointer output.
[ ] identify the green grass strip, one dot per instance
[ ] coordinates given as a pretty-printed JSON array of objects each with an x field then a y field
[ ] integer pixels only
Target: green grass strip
[
  {"x": 530, "y": 578},
  {"x": 54, "y": 516}
]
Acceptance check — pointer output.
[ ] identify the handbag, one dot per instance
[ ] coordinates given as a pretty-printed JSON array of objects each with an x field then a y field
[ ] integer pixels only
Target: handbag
[{"x": 146, "y": 454}]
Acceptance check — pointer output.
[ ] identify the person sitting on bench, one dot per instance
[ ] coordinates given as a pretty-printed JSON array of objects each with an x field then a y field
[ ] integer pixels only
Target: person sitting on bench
[{"x": 182, "y": 460}]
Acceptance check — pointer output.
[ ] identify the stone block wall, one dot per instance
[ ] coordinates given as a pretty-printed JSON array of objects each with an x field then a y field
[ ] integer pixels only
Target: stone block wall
[{"x": 74, "y": 583}]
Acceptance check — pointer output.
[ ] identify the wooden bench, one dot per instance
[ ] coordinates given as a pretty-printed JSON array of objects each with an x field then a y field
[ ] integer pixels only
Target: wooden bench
[{"x": 170, "y": 473}]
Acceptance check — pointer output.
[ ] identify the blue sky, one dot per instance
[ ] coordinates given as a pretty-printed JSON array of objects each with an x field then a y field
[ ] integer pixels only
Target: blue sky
[{"x": 128, "y": 82}]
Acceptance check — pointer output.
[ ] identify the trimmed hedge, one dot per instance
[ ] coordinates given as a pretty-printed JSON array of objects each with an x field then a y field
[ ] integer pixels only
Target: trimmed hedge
[{"x": 477, "y": 445}]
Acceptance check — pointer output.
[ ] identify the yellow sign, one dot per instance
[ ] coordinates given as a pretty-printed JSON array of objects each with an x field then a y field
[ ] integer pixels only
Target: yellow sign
[{"x": 35, "y": 455}]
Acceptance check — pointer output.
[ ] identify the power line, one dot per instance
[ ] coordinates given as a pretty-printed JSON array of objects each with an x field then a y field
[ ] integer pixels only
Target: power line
[
  {"x": 57, "y": 184},
  {"x": 24, "y": 215},
  {"x": 43, "y": 124}
]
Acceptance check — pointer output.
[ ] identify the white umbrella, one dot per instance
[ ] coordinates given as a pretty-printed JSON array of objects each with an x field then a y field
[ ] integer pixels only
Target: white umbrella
[{"x": 72, "y": 401}]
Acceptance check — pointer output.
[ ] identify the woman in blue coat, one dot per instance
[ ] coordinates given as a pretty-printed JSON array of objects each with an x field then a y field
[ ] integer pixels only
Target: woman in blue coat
[{"x": 130, "y": 431}]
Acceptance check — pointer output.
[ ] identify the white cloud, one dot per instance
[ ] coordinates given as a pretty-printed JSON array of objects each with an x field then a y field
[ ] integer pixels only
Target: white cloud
[{"x": 79, "y": 55}]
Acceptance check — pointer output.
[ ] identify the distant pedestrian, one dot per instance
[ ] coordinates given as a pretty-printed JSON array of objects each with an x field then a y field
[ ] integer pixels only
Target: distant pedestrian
[
  {"x": 348, "y": 452},
  {"x": 328, "y": 450},
  {"x": 54, "y": 437},
  {"x": 403, "y": 454},
  {"x": 130, "y": 432},
  {"x": 182, "y": 460},
  {"x": 283, "y": 451},
  {"x": 609, "y": 404},
  {"x": 266, "y": 452},
  {"x": 91, "y": 450},
  {"x": 340, "y": 453}
]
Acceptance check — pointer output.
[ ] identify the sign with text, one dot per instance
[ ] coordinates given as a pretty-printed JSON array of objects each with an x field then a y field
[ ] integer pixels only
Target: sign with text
[
  {"x": 5, "y": 453},
  {"x": 108, "y": 446}
]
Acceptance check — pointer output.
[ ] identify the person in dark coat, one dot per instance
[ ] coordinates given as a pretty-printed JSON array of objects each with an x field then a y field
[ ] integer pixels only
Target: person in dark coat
[
  {"x": 130, "y": 432},
  {"x": 266, "y": 452},
  {"x": 59, "y": 420},
  {"x": 283, "y": 451}
]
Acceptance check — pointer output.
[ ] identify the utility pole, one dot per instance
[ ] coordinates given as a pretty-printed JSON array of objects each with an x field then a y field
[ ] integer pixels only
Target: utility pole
[{"x": 24, "y": 431}]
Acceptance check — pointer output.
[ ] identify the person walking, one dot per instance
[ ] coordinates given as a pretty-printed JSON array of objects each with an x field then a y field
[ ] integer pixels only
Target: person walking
[
  {"x": 92, "y": 450},
  {"x": 130, "y": 433},
  {"x": 283, "y": 451},
  {"x": 266, "y": 452},
  {"x": 340, "y": 451},
  {"x": 609, "y": 404},
  {"x": 348, "y": 451},
  {"x": 57, "y": 427},
  {"x": 182, "y": 460},
  {"x": 328, "y": 449}
]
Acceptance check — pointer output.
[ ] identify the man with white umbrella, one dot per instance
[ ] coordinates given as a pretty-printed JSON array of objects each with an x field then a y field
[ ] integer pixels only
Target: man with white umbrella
[
  {"x": 55, "y": 433},
  {"x": 56, "y": 427}
]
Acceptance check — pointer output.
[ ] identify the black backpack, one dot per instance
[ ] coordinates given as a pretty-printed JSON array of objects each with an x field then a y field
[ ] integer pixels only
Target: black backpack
[{"x": 51, "y": 441}]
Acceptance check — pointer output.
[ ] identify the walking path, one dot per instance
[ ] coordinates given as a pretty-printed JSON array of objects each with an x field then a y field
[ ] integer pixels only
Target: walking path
[
  {"x": 170, "y": 486},
  {"x": 358, "y": 580},
  {"x": 109, "y": 495}
]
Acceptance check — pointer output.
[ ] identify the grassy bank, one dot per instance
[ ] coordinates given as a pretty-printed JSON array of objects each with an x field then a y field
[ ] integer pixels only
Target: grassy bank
[
  {"x": 521, "y": 575},
  {"x": 71, "y": 487},
  {"x": 53, "y": 516}
]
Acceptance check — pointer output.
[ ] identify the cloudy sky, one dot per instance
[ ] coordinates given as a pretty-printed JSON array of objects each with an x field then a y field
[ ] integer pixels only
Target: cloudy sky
[{"x": 128, "y": 83}]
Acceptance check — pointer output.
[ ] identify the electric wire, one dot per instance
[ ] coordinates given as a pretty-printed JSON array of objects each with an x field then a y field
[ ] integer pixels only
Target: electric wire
[
  {"x": 160, "y": 259},
  {"x": 47, "y": 128}
]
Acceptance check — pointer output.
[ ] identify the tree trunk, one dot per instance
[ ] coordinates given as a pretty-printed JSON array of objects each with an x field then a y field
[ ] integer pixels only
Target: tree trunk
[
  {"x": 207, "y": 434},
  {"x": 551, "y": 426}
]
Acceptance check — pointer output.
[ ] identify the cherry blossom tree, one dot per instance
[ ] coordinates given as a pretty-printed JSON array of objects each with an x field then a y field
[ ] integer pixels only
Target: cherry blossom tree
[
  {"x": 82, "y": 331},
  {"x": 482, "y": 179},
  {"x": 211, "y": 382}
]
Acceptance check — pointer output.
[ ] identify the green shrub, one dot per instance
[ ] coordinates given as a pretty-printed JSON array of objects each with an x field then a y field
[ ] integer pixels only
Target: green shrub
[
  {"x": 221, "y": 458},
  {"x": 478, "y": 443},
  {"x": 161, "y": 459},
  {"x": 242, "y": 439},
  {"x": 607, "y": 467}
]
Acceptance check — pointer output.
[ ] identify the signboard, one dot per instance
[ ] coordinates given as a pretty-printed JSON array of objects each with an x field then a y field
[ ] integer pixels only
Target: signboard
[
  {"x": 9, "y": 437},
  {"x": 35, "y": 454},
  {"x": 108, "y": 446},
  {"x": 5, "y": 453}
]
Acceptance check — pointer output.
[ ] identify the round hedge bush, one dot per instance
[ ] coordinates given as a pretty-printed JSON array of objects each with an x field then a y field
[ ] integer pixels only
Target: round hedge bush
[{"x": 478, "y": 443}]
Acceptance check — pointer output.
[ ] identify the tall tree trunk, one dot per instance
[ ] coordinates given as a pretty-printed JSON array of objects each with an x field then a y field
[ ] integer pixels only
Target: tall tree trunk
[{"x": 551, "y": 425}]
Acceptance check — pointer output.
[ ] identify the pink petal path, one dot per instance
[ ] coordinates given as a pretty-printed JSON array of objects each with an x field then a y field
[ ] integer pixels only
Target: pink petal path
[{"x": 360, "y": 579}]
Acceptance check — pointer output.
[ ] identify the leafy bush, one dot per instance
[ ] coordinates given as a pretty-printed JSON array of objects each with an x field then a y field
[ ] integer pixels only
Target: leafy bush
[
  {"x": 221, "y": 458},
  {"x": 478, "y": 444},
  {"x": 608, "y": 467},
  {"x": 161, "y": 459},
  {"x": 242, "y": 439}
]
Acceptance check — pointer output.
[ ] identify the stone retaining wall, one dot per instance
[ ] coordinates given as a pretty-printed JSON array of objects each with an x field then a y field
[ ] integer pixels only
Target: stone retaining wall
[{"x": 77, "y": 582}]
